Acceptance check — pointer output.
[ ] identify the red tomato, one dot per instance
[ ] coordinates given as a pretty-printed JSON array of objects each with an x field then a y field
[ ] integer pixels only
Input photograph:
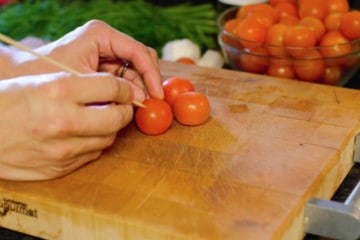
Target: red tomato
[
  {"x": 251, "y": 30},
  {"x": 261, "y": 7},
  {"x": 337, "y": 6},
  {"x": 289, "y": 20},
  {"x": 315, "y": 25},
  {"x": 300, "y": 37},
  {"x": 263, "y": 18},
  {"x": 263, "y": 13},
  {"x": 281, "y": 68},
  {"x": 332, "y": 21},
  {"x": 231, "y": 24},
  {"x": 332, "y": 75},
  {"x": 334, "y": 44},
  {"x": 285, "y": 9},
  {"x": 350, "y": 24},
  {"x": 243, "y": 11},
  {"x": 313, "y": 8},
  {"x": 156, "y": 118},
  {"x": 229, "y": 27},
  {"x": 246, "y": 10},
  {"x": 185, "y": 60},
  {"x": 255, "y": 61},
  {"x": 274, "y": 40},
  {"x": 192, "y": 109},
  {"x": 174, "y": 86},
  {"x": 311, "y": 69}
]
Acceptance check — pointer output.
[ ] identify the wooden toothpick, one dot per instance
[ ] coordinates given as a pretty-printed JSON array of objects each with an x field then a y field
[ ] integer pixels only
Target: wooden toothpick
[{"x": 14, "y": 43}]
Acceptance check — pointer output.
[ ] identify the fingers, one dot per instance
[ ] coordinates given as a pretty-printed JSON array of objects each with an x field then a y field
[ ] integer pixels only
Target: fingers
[
  {"x": 62, "y": 104},
  {"x": 103, "y": 104},
  {"x": 101, "y": 120},
  {"x": 120, "y": 69},
  {"x": 71, "y": 154},
  {"x": 117, "y": 45},
  {"x": 56, "y": 158},
  {"x": 50, "y": 171},
  {"x": 86, "y": 47},
  {"x": 98, "y": 88},
  {"x": 64, "y": 153},
  {"x": 103, "y": 108}
]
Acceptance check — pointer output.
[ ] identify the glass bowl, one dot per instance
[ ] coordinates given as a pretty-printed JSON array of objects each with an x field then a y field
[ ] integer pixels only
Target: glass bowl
[{"x": 304, "y": 64}]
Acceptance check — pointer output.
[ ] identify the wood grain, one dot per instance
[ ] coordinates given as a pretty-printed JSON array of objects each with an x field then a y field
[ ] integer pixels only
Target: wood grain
[{"x": 247, "y": 173}]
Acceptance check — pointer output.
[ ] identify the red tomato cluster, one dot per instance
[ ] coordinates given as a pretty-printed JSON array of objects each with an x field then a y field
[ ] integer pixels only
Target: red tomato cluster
[
  {"x": 181, "y": 102},
  {"x": 309, "y": 40}
]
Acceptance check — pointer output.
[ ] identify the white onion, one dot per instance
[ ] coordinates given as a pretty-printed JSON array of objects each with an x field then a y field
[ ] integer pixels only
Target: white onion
[{"x": 173, "y": 50}]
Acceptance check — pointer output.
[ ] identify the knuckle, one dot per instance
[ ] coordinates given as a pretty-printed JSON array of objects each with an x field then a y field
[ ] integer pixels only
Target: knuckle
[
  {"x": 152, "y": 51},
  {"x": 92, "y": 25},
  {"x": 116, "y": 87}
]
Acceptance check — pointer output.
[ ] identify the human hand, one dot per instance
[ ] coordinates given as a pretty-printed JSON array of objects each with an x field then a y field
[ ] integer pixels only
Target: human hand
[
  {"x": 95, "y": 47},
  {"x": 51, "y": 123},
  {"x": 49, "y": 128}
]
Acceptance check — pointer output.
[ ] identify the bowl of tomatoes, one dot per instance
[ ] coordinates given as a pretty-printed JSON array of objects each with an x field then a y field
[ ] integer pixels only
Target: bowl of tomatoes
[{"x": 307, "y": 40}]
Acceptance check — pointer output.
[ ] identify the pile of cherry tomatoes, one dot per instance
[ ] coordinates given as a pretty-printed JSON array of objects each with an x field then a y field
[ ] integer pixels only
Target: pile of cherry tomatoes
[
  {"x": 181, "y": 102},
  {"x": 309, "y": 40}
]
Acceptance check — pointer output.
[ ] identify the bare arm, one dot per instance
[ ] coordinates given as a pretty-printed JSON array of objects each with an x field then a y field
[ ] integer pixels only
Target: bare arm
[{"x": 49, "y": 125}]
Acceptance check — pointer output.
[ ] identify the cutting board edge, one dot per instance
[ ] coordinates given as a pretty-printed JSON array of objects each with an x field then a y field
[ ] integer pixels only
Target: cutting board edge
[{"x": 338, "y": 170}]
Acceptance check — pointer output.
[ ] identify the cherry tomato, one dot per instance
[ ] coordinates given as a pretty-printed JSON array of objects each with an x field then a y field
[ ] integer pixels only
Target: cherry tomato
[
  {"x": 262, "y": 7},
  {"x": 300, "y": 37},
  {"x": 248, "y": 9},
  {"x": 254, "y": 61},
  {"x": 263, "y": 13},
  {"x": 289, "y": 20},
  {"x": 243, "y": 11},
  {"x": 350, "y": 24},
  {"x": 332, "y": 75},
  {"x": 192, "y": 109},
  {"x": 156, "y": 118},
  {"x": 274, "y": 40},
  {"x": 338, "y": 6},
  {"x": 231, "y": 24},
  {"x": 334, "y": 44},
  {"x": 311, "y": 69},
  {"x": 174, "y": 86},
  {"x": 332, "y": 21},
  {"x": 313, "y": 8},
  {"x": 263, "y": 18},
  {"x": 315, "y": 25},
  {"x": 186, "y": 60},
  {"x": 229, "y": 27},
  {"x": 281, "y": 68},
  {"x": 285, "y": 9},
  {"x": 251, "y": 31}
]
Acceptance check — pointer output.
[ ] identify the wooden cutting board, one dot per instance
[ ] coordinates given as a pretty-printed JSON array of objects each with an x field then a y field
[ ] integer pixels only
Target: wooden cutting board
[{"x": 247, "y": 173}]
